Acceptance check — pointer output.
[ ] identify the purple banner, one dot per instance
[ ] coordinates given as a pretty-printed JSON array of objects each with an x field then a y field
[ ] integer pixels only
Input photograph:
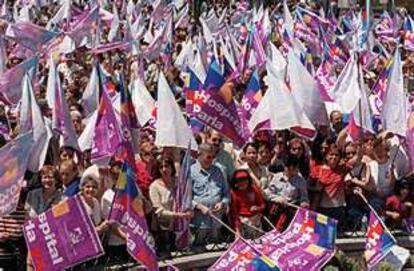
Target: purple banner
[
  {"x": 220, "y": 113},
  {"x": 307, "y": 244},
  {"x": 62, "y": 236},
  {"x": 13, "y": 162}
]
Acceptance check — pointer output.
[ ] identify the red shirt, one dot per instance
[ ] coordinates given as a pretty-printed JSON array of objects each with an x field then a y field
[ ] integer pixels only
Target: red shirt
[
  {"x": 243, "y": 200},
  {"x": 144, "y": 178},
  {"x": 394, "y": 204}
]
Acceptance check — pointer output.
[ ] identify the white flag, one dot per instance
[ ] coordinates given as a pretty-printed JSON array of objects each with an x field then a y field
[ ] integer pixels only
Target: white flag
[
  {"x": 394, "y": 112},
  {"x": 305, "y": 91},
  {"x": 172, "y": 129}
]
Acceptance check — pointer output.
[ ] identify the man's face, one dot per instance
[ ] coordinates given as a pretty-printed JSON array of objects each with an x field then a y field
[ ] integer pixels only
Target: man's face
[
  {"x": 206, "y": 159},
  {"x": 337, "y": 120},
  {"x": 66, "y": 173},
  {"x": 215, "y": 140}
]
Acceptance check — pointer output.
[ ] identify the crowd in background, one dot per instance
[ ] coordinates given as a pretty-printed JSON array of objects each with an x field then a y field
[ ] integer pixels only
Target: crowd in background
[{"x": 253, "y": 189}]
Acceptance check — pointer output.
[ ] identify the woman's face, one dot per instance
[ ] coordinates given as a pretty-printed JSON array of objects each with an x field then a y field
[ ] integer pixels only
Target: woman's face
[
  {"x": 280, "y": 146},
  {"x": 250, "y": 155},
  {"x": 165, "y": 169},
  {"x": 296, "y": 149},
  {"x": 332, "y": 158},
  {"x": 264, "y": 156},
  {"x": 48, "y": 180},
  {"x": 369, "y": 147},
  {"x": 350, "y": 152},
  {"x": 89, "y": 188}
]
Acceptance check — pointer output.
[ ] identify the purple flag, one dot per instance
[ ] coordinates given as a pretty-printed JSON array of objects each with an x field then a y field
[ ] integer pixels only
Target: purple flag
[
  {"x": 127, "y": 209},
  {"x": 29, "y": 35},
  {"x": 183, "y": 202},
  {"x": 85, "y": 26},
  {"x": 13, "y": 162},
  {"x": 218, "y": 109},
  {"x": 62, "y": 236},
  {"x": 62, "y": 122},
  {"x": 11, "y": 81},
  {"x": 379, "y": 241},
  {"x": 307, "y": 244},
  {"x": 107, "y": 138}
]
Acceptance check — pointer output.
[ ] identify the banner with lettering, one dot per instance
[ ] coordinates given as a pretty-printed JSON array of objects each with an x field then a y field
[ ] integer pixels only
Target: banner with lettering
[
  {"x": 243, "y": 256},
  {"x": 218, "y": 109},
  {"x": 62, "y": 236},
  {"x": 127, "y": 209},
  {"x": 307, "y": 244}
]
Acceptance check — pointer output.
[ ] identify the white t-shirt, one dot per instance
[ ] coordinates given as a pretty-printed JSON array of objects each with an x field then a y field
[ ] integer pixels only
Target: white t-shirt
[
  {"x": 106, "y": 203},
  {"x": 380, "y": 174}
]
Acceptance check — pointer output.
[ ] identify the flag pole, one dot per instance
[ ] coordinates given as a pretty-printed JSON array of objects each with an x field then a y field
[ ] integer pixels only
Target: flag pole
[
  {"x": 376, "y": 214},
  {"x": 237, "y": 235},
  {"x": 269, "y": 222},
  {"x": 254, "y": 228}
]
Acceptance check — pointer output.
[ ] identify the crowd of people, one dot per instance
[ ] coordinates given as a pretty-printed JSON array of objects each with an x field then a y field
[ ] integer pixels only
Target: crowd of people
[{"x": 254, "y": 189}]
